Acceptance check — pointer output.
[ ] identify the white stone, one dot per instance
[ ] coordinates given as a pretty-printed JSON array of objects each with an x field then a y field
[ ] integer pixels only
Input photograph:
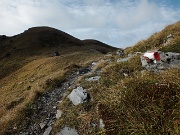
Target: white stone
[
  {"x": 108, "y": 55},
  {"x": 125, "y": 74},
  {"x": 58, "y": 114},
  {"x": 48, "y": 131},
  {"x": 42, "y": 125},
  {"x": 94, "y": 63},
  {"x": 78, "y": 96},
  {"x": 20, "y": 83},
  {"x": 101, "y": 123},
  {"x": 123, "y": 59},
  {"x": 67, "y": 131},
  {"x": 94, "y": 78}
]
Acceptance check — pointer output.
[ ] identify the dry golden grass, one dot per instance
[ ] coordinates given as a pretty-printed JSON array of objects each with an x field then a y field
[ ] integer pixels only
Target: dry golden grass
[
  {"x": 142, "y": 103},
  {"x": 23, "y": 86}
]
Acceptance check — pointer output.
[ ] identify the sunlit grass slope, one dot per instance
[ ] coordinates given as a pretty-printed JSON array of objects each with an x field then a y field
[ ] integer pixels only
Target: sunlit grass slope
[
  {"x": 28, "y": 67},
  {"x": 129, "y": 99}
]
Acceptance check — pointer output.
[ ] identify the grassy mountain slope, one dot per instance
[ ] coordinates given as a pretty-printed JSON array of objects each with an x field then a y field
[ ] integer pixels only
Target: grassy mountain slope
[
  {"x": 28, "y": 68},
  {"x": 129, "y": 99},
  {"x": 157, "y": 40}
]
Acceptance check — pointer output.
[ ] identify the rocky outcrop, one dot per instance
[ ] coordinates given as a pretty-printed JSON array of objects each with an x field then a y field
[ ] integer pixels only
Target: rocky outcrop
[
  {"x": 67, "y": 131},
  {"x": 157, "y": 60}
]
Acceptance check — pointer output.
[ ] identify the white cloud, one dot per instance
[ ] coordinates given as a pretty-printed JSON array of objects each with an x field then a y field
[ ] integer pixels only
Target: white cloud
[{"x": 116, "y": 22}]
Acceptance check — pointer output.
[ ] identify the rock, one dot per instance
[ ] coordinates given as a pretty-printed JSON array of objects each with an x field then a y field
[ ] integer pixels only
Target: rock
[
  {"x": 83, "y": 71},
  {"x": 108, "y": 55},
  {"x": 58, "y": 114},
  {"x": 42, "y": 125},
  {"x": 109, "y": 60},
  {"x": 14, "y": 128},
  {"x": 20, "y": 83},
  {"x": 68, "y": 131},
  {"x": 59, "y": 101},
  {"x": 94, "y": 64},
  {"x": 56, "y": 54},
  {"x": 48, "y": 131},
  {"x": 161, "y": 62},
  {"x": 101, "y": 123},
  {"x": 120, "y": 52},
  {"x": 95, "y": 78},
  {"x": 123, "y": 59},
  {"x": 54, "y": 107},
  {"x": 170, "y": 36},
  {"x": 78, "y": 96},
  {"x": 125, "y": 74},
  {"x": 168, "y": 39}
]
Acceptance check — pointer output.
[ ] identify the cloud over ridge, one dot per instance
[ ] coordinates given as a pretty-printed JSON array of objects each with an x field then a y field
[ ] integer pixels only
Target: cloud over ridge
[{"x": 116, "y": 22}]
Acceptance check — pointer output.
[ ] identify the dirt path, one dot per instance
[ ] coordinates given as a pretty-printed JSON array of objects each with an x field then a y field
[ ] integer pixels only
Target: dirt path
[
  {"x": 45, "y": 108},
  {"x": 43, "y": 111}
]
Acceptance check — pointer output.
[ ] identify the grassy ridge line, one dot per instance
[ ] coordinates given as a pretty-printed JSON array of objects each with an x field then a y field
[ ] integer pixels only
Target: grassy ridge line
[{"x": 157, "y": 39}]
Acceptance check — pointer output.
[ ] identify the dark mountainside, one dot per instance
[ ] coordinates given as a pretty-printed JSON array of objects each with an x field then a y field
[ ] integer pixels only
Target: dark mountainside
[{"x": 42, "y": 41}]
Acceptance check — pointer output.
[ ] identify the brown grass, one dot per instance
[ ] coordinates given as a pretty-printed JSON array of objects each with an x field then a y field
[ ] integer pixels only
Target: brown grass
[
  {"x": 28, "y": 67},
  {"x": 142, "y": 103}
]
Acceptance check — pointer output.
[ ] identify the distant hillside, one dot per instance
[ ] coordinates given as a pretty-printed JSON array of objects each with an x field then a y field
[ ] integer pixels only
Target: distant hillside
[{"x": 41, "y": 41}]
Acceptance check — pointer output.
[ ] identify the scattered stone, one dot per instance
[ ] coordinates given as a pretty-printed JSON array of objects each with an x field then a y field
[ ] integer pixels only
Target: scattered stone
[
  {"x": 42, "y": 125},
  {"x": 168, "y": 39},
  {"x": 21, "y": 133},
  {"x": 101, "y": 123},
  {"x": 54, "y": 107},
  {"x": 68, "y": 131},
  {"x": 94, "y": 78},
  {"x": 108, "y": 55},
  {"x": 78, "y": 96},
  {"x": 94, "y": 64},
  {"x": 14, "y": 128},
  {"x": 120, "y": 52},
  {"x": 130, "y": 55},
  {"x": 83, "y": 71},
  {"x": 32, "y": 79},
  {"x": 58, "y": 114},
  {"x": 20, "y": 83},
  {"x": 56, "y": 54},
  {"x": 109, "y": 60},
  {"x": 123, "y": 59},
  {"x": 59, "y": 101},
  {"x": 48, "y": 131},
  {"x": 125, "y": 74}
]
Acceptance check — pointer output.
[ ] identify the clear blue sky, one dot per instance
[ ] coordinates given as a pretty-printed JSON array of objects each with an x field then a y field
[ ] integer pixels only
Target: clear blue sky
[{"x": 119, "y": 23}]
